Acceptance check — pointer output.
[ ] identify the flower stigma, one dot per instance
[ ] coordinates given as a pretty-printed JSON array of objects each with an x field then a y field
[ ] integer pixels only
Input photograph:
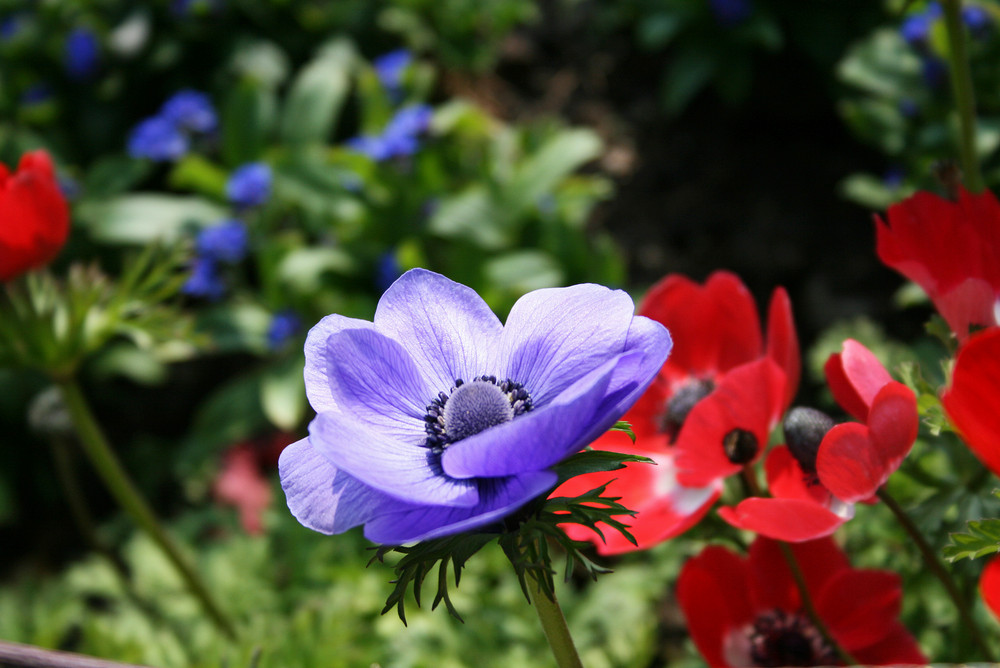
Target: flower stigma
[
  {"x": 740, "y": 445},
  {"x": 471, "y": 408},
  {"x": 680, "y": 404},
  {"x": 804, "y": 431},
  {"x": 779, "y": 638}
]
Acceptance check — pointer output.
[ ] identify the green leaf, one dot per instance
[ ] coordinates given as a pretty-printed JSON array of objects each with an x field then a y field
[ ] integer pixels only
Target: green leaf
[
  {"x": 542, "y": 171},
  {"x": 596, "y": 461},
  {"x": 145, "y": 217},
  {"x": 283, "y": 394},
  {"x": 687, "y": 74},
  {"x": 247, "y": 118},
  {"x": 317, "y": 95},
  {"x": 982, "y": 538},
  {"x": 624, "y": 426},
  {"x": 469, "y": 215}
]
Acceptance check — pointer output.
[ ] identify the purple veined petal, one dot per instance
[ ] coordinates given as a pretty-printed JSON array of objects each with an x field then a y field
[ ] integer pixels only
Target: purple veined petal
[
  {"x": 405, "y": 471},
  {"x": 447, "y": 328},
  {"x": 375, "y": 382},
  {"x": 318, "y": 360},
  {"x": 555, "y": 336},
  {"x": 498, "y": 498},
  {"x": 538, "y": 439},
  {"x": 323, "y": 498}
]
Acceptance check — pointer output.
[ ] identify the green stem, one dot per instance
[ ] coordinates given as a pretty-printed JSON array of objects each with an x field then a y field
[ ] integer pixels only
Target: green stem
[
  {"x": 121, "y": 487},
  {"x": 936, "y": 567},
  {"x": 961, "y": 82},
  {"x": 554, "y": 625},
  {"x": 800, "y": 581}
]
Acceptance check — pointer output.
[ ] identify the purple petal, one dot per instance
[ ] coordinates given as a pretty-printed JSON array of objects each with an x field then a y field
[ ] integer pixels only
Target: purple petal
[
  {"x": 375, "y": 382},
  {"x": 498, "y": 498},
  {"x": 537, "y": 439},
  {"x": 318, "y": 359},
  {"x": 447, "y": 329},
  {"x": 556, "y": 336},
  {"x": 403, "y": 470},
  {"x": 323, "y": 498}
]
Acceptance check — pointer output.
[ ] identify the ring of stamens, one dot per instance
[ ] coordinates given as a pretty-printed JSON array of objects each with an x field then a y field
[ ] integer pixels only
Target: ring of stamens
[{"x": 445, "y": 425}]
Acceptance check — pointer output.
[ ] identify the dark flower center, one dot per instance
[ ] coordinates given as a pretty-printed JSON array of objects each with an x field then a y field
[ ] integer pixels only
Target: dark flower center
[
  {"x": 472, "y": 407},
  {"x": 681, "y": 402},
  {"x": 779, "y": 638},
  {"x": 804, "y": 430},
  {"x": 740, "y": 445}
]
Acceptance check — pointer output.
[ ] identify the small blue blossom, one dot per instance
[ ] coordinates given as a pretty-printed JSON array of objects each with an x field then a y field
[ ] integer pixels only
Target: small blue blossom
[
  {"x": 157, "y": 139},
  {"x": 284, "y": 325},
  {"x": 68, "y": 186},
  {"x": 82, "y": 53},
  {"x": 190, "y": 110},
  {"x": 977, "y": 19},
  {"x": 224, "y": 242},
  {"x": 204, "y": 280},
  {"x": 916, "y": 28},
  {"x": 249, "y": 185},
  {"x": 182, "y": 7},
  {"x": 375, "y": 147},
  {"x": 399, "y": 137},
  {"x": 935, "y": 71},
  {"x": 436, "y": 418},
  {"x": 909, "y": 108},
  {"x": 411, "y": 120},
  {"x": 893, "y": 177},
  {"x": 390, "y": 67},
  {"x": 11, "y": 25},
  {"x": 387, "y": 270},
  {"x": 730, "y": 13},
  {"x": 37, "y": 93}
]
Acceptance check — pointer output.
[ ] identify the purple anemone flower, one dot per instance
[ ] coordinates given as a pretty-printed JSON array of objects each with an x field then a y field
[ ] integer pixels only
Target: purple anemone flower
[{"x": 436, "y": 418}]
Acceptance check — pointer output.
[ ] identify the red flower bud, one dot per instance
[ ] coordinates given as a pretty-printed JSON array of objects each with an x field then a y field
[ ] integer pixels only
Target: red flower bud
[{"x": 34, "y": 217}]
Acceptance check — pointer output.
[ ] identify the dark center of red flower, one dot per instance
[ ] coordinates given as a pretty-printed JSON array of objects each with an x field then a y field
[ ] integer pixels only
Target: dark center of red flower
[
  {"x": 740, "y": 445},
  {"x": 780, "y": 638},
  {"x": 471, "y": 408},
  {"x": 804, "y": 430},
  {"x": 681, "y": 402}
]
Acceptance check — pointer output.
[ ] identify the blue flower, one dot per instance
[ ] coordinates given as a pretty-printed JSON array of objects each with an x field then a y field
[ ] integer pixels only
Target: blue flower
[
  {"x": 894, "y": 177},
  {"x": 935, "y": 71},
  {"x": 249, "y": 185},
  {"x": 37, "y": 93},
  {"x": 436, "y": 418},
  {"x": 390, "y": 67},
  {"x": 224, "y": 242},
  {"x": 387, "y": 270},
  {"x": 204, "y": 280},
  {"x": 977, "y": 19},
  {"x": 284, "y": 325},
  {"x": 11, "y": 25},
  {"x": 731, "y": 13},
  {"x": 916, "y": 28},
  {"x": 157, "y": 139},
  {"x": 82, "y": 53},
  {"x": 190, "y": 110},
  {"x": 399, "y": 137},
  {"x": 909, "y": 108}
]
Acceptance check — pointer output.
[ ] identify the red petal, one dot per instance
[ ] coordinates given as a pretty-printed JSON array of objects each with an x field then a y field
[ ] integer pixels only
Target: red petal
[
  {"x": 791, "y": 520},
  {"x": 714, "y": 328},
  {"x": 973, "y": 401},
  {"x": 782, "y": 342},
  {"x": 772, "y": 584},
  {"x": 786, "y": 480},
  {"x": 712, "y": 590},
  {"x": 860, "y": 607},
  {"x": 971, "y": 303},
  {"x": 848, "y": 464},
  {"x": 750, "y": 397},
  {"x": 897, "y": 648},
  {"x": 892, "y": 426},
  {"x": 989, "y": 586},
  {"x": 855, "y": 376},
  {"x": 34, "y": 214}
]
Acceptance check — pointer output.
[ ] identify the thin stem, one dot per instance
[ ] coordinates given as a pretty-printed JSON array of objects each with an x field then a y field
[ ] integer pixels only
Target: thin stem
[
  {"x": 121, "y": 487},
  {"x": 17, "y": 655},
  {"x": 961, "y": 83},
  {"x": 800, "y": 581},
  {"x": 554, "y": 625},
  {"x": 936, "y": 567}
]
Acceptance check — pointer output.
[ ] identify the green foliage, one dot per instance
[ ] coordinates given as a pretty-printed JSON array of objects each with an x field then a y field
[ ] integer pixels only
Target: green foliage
[{"x": 983, "y": 538}]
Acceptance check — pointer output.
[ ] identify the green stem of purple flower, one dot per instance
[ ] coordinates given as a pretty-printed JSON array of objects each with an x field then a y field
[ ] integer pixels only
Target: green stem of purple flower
[
  {"x": 121, "y": 487},
  {"x": 936, "y": 567},
  {"x": 554, "y": 625},
  {"x": 961, "y": 82}
]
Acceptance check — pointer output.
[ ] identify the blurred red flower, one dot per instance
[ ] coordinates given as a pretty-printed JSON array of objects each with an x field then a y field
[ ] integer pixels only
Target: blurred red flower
[
  {"x": 826, "y": 468},
  {"x": 989, "y": 586},
  {"x": 34, "y": 217},
  {"x": 241, "y": 481},
  {"x": 973, "y": 400},
  {"x": 716, "y": 333},
  {"x": 951, "y": 249},
  {"x": 748, "y": 612}
]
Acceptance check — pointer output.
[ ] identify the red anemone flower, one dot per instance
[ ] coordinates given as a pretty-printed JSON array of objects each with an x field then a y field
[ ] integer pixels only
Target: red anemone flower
[
  {"x": 989, "y": 586},
  {"x": 973, "y": 400},
  {"x": 34, "y": 217},
  {"x": 748, "y": 612},
  {"x": 951, "y": 249},
  {"x": 716, "y": 333},
  {"x": 816, "y": 480}
]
